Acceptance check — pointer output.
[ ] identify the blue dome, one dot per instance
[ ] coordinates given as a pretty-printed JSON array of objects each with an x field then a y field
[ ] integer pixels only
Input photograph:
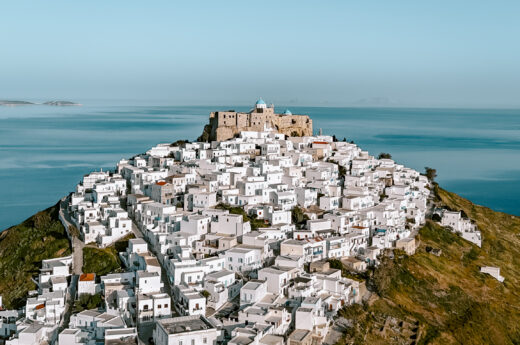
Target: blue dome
[
  {"x": 287, "y": 112},
  {"x": 260, "y": 101}
]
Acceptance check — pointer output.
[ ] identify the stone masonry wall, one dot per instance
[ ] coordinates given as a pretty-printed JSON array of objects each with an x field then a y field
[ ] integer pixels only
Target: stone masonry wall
[{"x": 226, "y": 125}]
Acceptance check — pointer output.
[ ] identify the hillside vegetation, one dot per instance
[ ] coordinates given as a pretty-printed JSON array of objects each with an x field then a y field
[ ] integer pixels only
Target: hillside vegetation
[
  {"x": 102, "y": 261},
  {"x": 255, "y": 222},
  {"x": 429, "y": 299},
  {"x": 23, "y": 247}
]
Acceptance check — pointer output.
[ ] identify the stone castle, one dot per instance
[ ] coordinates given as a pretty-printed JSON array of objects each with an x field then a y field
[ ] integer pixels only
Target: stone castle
[{"x": 224, "y": 125}]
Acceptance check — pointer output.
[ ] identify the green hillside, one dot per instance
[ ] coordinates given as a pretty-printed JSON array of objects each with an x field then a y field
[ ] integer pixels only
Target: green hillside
[
  {"x": 429, "y": 299},
  {"x": 102, "y": 261},
  {"x": 23, "y": 247}
]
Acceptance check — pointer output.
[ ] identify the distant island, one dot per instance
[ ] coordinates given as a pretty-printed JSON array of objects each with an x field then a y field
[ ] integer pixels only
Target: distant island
[
  {"x": 54, "y": 103},
  {"x": 13, "y": 103},
  {"x": 62, "y": 103}
]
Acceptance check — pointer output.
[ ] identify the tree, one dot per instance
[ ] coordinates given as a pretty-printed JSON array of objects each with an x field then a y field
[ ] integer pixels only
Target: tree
[
  {"x": 73, "y": 231},
  {"x": 180, "y": 142},
  {"x": 384, "y": 155},
  {"x": 87, "y": 301},
  {"x": 297, "y": 215},
  {"x": 342, "y": 171},
  {"x": 430, "y": 173},
  {"x": 334, "y": 139}
]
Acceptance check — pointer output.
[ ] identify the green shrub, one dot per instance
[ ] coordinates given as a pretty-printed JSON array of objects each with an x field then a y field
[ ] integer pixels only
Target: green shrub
[{"x": 86, "y": 302}]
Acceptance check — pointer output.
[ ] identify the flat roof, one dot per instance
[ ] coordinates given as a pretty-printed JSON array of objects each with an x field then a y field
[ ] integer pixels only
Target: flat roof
[
  {"x": 219, "y": 274},
  {"x": 70, "y": 331},
  {"x": 185, "y": 324},
  {"x": 242, "y": 340},
  {"x": 274, "y": 270},
  {"x": 145, "y": 274},
  {"x": 252, "y": 285},
  {"x": 272, "y": 339},
  {"x": 299, "y": 334},
  {"x": 240, "y": 250}
]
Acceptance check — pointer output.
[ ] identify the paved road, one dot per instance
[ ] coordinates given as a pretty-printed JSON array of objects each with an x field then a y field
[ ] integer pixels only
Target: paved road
[
  {"x": 78, "y": 255},
  {"x": 135, "y": 229},
  {"x": 71, "y": 296},
  {"x": 77, "y": 244}
]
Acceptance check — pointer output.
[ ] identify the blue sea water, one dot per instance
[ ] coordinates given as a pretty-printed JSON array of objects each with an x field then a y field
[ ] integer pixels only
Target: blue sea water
[{"x": 44, "y": 151}]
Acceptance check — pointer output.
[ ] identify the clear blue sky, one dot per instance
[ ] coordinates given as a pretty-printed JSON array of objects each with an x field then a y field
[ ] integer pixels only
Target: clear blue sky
[{"x": 417, "y": 53}]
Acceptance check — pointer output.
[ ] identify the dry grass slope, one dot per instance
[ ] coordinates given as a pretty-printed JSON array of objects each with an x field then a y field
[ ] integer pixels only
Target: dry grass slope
[{"x": 446, "y": 296}]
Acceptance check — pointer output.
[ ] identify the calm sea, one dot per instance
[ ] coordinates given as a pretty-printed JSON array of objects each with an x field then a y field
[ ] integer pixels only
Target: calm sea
[{"x": 44, "y": 151}]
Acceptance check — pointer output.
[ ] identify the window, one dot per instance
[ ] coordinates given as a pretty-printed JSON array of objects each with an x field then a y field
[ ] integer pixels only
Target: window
[{"x": 204, "y": 340}]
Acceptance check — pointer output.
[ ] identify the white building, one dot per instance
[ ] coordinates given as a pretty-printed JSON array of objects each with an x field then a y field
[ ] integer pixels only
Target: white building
[{"x": 185, "y": 330}]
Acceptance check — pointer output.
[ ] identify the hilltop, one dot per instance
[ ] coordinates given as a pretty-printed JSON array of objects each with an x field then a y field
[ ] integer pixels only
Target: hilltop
[
  {"x": 436, "y": 296},
  {"x": 444, "y": 299}
]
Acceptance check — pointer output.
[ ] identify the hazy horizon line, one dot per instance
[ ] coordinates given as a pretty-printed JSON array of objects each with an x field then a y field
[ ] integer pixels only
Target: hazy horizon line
[{"x": 170, "y": 103}]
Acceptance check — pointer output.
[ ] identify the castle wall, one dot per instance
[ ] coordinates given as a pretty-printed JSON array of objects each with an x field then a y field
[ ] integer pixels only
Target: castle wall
[
  {"x": 226, "y": 125},
  {"x": 242, "y": 120}
]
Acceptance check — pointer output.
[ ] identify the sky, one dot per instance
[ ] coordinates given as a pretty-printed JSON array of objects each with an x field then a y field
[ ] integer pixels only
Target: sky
[{"x": 327, "y": 53}]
